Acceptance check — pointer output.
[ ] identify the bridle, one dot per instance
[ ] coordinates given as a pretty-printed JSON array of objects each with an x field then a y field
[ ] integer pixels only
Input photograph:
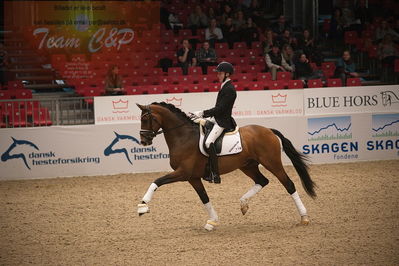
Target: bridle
[{"x": 151, "y": 133}]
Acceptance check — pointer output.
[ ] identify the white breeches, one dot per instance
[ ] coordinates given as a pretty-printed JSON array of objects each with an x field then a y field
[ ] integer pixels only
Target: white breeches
[{"x": 215, "y": 133}]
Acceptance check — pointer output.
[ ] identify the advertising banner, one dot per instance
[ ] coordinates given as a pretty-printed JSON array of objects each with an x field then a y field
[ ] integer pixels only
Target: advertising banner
[
  {"x": 346, "y": 100},
  {"x": 113, "y": 149},
  {"x": 123, "y": 109},
  {"x": 86, "y": 33},
  {"x": 78, "y": 151}
]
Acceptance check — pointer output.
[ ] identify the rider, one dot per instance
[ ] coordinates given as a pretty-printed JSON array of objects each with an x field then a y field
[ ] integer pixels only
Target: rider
[{"x": 221, "y": 114}]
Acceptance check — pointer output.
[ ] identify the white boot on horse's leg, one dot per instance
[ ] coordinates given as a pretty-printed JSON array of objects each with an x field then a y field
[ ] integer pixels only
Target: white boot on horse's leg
[
  {"x": 247, "y": 196},
  {"x": 301, "y": 209},
  {"x": 142, "y": 208},
  {"x": 213, "y": 217}
]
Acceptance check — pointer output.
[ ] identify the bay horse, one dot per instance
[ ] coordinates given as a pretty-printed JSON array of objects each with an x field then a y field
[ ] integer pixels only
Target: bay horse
[{"x": 260, "y": 146}]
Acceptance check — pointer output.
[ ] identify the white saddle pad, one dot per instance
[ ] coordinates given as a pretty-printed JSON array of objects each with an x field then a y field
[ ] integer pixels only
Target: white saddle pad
[{"x": 231, "y": 143}]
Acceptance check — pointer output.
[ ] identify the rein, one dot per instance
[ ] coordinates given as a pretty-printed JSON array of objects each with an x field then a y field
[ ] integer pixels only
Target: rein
[{"x": 151, "y": 132}]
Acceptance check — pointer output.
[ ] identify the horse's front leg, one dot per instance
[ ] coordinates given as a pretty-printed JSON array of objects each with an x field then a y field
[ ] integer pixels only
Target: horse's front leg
[
  {"x": 167, "y": 179},
  {"x": 200, "y": 189}
]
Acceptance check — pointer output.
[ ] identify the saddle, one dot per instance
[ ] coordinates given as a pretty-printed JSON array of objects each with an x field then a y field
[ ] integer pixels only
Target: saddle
[{"x": 229, "y": 142}]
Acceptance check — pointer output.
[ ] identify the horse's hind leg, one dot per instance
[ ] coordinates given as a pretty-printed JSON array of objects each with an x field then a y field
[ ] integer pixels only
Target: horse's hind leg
[
  {"x": 276, "y": 167},
  {"x": 252, "y": 170}
]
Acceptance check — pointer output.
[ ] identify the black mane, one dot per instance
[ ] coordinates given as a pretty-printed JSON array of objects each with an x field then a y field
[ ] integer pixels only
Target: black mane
[{"x": 176, "y": 111}]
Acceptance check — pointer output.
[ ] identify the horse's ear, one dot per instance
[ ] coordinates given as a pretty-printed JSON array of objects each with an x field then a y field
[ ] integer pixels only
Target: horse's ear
[{"x": 140, "y": 106}]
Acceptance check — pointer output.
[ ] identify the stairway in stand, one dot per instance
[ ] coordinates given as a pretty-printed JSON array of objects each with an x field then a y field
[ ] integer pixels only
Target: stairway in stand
[{"x": 27, "y": 65}]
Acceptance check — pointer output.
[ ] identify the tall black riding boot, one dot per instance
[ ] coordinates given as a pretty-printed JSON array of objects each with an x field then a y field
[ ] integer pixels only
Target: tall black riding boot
[{"x": 214, "y": 174}]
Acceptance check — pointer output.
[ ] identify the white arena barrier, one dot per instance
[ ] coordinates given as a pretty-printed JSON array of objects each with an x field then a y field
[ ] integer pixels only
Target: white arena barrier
[{"x": 331, "y": 125}]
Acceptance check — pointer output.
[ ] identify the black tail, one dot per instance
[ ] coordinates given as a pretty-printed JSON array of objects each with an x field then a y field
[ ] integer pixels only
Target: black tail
[{"x": 299, "y": 162}]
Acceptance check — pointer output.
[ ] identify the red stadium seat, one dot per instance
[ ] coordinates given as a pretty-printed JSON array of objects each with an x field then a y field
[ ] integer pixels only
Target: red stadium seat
[
  {"x": 133, "y": 90},
  {"x": 276, "y": 85},
  {"x": 257, "y": 85},
  {"x": 315, "y": 83},
  {"x": 15, "y": 84},
  {"x": 221, "y": 46},
  {"x": 239, "y": 45},
  {"x": 295, "y": 84},
  {"x": 196, "y": 88},
  {"x": 175, "y": 71},
  {"x": 350, "y": 37},
  {"x": 41, "y": 117},
  {"x": 5, "y": 94},
  {"x": 264, "y": 76},
  {"x": 334, "y": 83},
  {"x": 194, "y": 70},
  {"x": 284, "y": 75},
  {"x": 351, "y": 82},
  {"x": 19, "y": 118},
  {"x": 23, "y": 94}
]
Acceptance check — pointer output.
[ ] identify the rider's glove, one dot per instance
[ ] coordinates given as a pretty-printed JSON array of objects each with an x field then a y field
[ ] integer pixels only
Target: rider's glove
[{"x": 198, "y": 113}]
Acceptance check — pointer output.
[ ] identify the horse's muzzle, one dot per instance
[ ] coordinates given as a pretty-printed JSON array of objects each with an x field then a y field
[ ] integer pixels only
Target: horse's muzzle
[
  {"x": 146, "y": 137},
  {"x": 146, "y": 142}
]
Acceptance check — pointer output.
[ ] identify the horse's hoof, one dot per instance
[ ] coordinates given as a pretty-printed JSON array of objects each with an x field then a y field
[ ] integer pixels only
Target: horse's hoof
[
  {"x": 304, "y": 220},
  {"x": 210, "y": 225},
  {"x": 142, "y": 208},
  {"x": 244, "y": 207}
]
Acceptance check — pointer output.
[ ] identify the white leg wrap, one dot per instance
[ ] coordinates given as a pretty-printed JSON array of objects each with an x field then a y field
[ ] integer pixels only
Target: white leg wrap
[
  {"x": 299, "y": 205},
  {"x": 251, "y": 192},
  {"x": 148, "y": 195},
  {"x": 211, "y": 212}
]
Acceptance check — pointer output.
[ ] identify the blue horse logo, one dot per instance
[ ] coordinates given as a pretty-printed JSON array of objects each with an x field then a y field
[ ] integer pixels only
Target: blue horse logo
[
  {"x": 110, "y": 149},
  {"x": 8, "y": 156}
]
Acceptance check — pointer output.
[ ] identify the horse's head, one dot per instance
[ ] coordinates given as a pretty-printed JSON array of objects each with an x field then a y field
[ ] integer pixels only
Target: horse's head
[{"x": 150, "y": 124}]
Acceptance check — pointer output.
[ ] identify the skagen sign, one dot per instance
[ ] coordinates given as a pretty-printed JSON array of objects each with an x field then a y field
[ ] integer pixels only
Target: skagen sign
[{"x": 351, "y": 100}]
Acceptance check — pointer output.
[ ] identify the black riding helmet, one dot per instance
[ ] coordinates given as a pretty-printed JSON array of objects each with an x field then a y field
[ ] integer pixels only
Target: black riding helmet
[{"x": 225, "y": 67}]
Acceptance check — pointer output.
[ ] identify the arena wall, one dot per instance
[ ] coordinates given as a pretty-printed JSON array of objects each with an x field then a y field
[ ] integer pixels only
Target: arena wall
[{"x": 330, "y": 125}]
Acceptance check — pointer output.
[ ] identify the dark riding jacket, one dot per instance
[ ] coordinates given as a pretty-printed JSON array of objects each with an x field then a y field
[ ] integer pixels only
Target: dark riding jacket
[{"x": 224, "y": 107}]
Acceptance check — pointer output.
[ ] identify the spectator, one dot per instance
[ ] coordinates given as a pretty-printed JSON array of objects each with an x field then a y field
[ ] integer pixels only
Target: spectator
[
  {"x": 383, "y": 30},
  {"x": 274, "y": 61},
  {"x": 206, "y": 56},
  {"x": 227, "y": 13},
  {"x": 213, "y": 33},
  {"x": 345, "y": 68},
  {"x": 363, "y": 14},
  {"x": 268, "y": 41},
  {"x": 186, "y": 56},
  {"x": 307, "y": 44},
  {"x": 239, "y": 22},
  {"x": 287, "y": 38},
  {"x": 250, "y": 33},
  {"x": 256, "y": 12},
  {"x": 387, "y": 51},
  {"x": 174, "y": 22},
  {"x": 304, "y": 71},
  {"x": 288, "y": 58},
  {"x": 197, "y": 20},
  {"x": 281, "y": 25},
  {"x": 229, "y": 32},
  {"x": 347, "y": 15},
  {"x": 336, "y": 25},
  {"x": 211, "y": 13},
  {"x": 113, "y": 81}
]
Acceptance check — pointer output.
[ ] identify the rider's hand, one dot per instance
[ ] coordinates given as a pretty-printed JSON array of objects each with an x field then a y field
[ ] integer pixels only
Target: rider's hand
[{"x": 198, "y": 113}]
